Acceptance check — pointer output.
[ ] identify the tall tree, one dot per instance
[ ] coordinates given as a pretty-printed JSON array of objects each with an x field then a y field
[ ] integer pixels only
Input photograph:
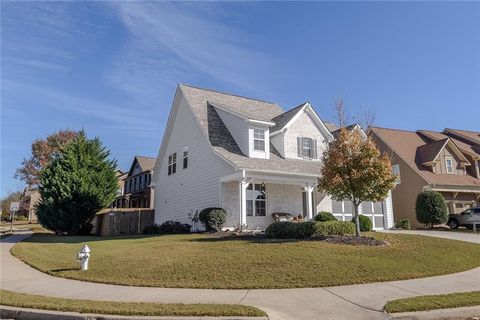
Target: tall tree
[
  {"x": 75, "y": 185},
  {"x": 353, "y": 169},
  {"x": 43, "y": 151}
]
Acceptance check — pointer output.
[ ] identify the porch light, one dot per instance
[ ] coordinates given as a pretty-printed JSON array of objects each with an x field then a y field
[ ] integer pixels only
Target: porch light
[{"x": 263, "y": 185}]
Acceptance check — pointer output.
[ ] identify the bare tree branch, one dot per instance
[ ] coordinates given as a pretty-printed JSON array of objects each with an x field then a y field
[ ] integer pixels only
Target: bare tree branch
[{"x": 341, "y": 113}]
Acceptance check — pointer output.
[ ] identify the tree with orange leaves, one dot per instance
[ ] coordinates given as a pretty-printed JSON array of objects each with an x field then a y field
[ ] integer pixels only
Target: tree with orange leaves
[
  {"x": 43, "y": 151},
  {"x": 353, "y": 169}
]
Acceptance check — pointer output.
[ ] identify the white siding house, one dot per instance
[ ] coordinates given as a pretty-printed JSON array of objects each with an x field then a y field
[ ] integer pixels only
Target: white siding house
[{"x": 245, "y": 155}]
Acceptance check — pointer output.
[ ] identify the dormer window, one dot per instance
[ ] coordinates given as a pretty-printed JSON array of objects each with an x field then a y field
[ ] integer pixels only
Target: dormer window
[
  {"x": 449, "y": 165},
  {"x": 258, "y": 139}
]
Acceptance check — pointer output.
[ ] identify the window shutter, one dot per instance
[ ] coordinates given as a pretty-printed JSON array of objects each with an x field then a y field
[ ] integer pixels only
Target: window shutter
[
  {"x": 315, "y": 149},
  {"x": 299, "y": 146}
]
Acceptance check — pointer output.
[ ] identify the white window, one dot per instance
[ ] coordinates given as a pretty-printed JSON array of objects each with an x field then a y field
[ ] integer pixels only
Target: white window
[
  {"x": 172, "y": 163},
  {"x": 396, "y": 173},
  {"x": 258, "y": 139},
  {"x": 449, "y": 165},
  {"x": 185, "y": 158},
  {"x": 307, "y": 147},
  {"x": 256, "y": 200}
]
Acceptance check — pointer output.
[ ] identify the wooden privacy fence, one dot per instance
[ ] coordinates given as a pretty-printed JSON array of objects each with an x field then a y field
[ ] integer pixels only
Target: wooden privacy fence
[{"x": 124, "y": 221}]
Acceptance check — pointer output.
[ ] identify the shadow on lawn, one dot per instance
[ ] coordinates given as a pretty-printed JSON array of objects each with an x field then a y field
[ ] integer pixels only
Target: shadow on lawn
[{"x": 53, "y": 238}]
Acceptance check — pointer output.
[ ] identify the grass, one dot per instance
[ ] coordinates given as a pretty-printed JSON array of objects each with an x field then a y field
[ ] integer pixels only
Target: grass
[
  {"x": 21, "y": 300},
  {"x": 200, "y": 261},
  {"x": 443, "y": 301}
]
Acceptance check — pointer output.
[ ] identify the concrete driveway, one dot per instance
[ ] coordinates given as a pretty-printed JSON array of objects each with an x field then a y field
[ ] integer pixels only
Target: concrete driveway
[
  {"x": 452, "y": 235},
  {"x": 363, "y": 301}
]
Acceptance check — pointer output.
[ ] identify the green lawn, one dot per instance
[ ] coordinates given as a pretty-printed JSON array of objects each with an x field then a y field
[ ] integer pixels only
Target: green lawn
[
  {"x": 199, "y": 261},
  {"x": 21, "y": 300},
  {"x": 443, "y": 301}
]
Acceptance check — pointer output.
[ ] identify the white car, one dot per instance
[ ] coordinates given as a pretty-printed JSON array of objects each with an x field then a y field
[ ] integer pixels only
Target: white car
[{"x": 465, "y": 219}]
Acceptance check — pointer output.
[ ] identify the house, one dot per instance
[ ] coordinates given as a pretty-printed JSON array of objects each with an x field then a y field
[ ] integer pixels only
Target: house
[
  {"x": 134, "y": 187},
  {"x": 247, "y": 156},
  {"x": 30, "y": 198},
  {"x": 447, "y": 162}
]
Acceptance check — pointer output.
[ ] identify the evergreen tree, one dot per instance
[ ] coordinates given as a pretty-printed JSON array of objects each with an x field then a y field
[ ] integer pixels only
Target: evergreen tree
[{"x": 75, "y": 185}]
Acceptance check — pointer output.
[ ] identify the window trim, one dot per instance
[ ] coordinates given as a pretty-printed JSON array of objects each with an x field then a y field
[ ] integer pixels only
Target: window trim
[
  {"x": 250, "y": 192},
  {"x": 259, "y": 139},
  {"x": 451, "y": 165},
  {"x": 312, "y": 149},
  {"x": 398, "y": 178},
  {"x": 172, "y": 164}
]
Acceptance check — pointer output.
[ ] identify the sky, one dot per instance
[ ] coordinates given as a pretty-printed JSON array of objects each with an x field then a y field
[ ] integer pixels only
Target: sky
[{"x": 112, "y": 68}]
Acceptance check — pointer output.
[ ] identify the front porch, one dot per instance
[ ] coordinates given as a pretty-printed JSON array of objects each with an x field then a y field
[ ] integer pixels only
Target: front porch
[{"x": 251, "y": 198}]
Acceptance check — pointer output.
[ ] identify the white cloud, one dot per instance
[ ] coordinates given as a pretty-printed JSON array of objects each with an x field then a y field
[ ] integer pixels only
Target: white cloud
[{"x": 175, "y": 42}]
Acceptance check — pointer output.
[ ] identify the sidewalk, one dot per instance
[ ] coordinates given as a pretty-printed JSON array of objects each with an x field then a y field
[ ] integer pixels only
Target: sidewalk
[
  {"x": 363, "y": 301},
  {"x": 452, "y": 235}
]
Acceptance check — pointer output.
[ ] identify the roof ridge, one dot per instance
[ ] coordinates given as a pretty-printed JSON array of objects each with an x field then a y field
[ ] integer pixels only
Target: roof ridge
[
  {"x": 476, "y": 132},
  {"x": 226, "y": 93},
  {"x": 137, "y": 156}
]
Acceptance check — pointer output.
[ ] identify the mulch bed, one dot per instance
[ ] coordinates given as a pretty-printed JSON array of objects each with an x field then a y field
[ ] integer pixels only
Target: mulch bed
[{"x": 349, "y": 240}]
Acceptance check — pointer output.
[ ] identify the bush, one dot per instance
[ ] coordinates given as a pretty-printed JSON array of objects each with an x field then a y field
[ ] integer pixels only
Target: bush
[
  {"x": 324, "y": 216},
  {"x": 431, "y": 208},
  {"x": 290, "y": 230},
  {"x": 365, "y": 223},
  {"x": 213, "y": 218},
  {"x": 334, "y": 228},
  {"x": 170, "y": 226},
  {"x": 404, "y": 224},
  {"x": 303, "y": 230}
]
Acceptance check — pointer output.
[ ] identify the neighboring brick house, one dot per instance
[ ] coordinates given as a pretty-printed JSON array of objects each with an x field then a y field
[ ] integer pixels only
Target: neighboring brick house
[
  {"x": 135, "y": 189},
  {"x": 447, "y": 162},
  {"x": 247, "y": 156},
  {"x": 30, "y": 198}
]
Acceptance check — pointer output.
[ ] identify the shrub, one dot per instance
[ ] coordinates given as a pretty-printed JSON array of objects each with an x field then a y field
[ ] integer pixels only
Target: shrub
[
  {"x": 365, "y": 223},
  {"x": 290, "y": 230},
  {"x": 324, "y": 216},
  {"x": 213, "y": 218},
  {"x": 431, "y": 208},
  {"x": 169, "y": 226},
  {"x": 404, "y": 224},
  {"x": 334, "y": 228}
]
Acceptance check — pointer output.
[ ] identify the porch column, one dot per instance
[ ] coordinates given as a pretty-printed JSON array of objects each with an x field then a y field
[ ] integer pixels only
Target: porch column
[
  {"x": 243, "y": 185},
  {"x": 309, "y": 192}
]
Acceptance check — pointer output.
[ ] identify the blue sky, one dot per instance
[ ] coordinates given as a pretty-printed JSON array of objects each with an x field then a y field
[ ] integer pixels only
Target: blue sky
[{"x": 112, "y": 67}]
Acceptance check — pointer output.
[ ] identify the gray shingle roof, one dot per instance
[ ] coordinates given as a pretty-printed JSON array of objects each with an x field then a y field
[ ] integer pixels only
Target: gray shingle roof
[
  {"x": 284, "y": 118},
  {"x": 224, "y": 144}
]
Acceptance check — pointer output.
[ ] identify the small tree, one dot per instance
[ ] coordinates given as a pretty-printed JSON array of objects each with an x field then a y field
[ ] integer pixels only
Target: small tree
[
  {"x": 5, "y": 203},
  {"x": 75, "y": 185},
  {"x": 354, "y": 169},
  {"x": 43, "y": 151},
  {"x": 431, "y": 208}
]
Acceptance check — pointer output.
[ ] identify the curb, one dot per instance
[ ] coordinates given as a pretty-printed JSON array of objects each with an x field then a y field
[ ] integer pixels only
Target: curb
[
  {"x": 439, "y": 314},
  {"x": 7, "y": 312}
]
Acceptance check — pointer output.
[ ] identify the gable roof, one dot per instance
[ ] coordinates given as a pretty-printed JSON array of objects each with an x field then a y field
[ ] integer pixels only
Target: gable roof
[
  {"x": 145, "y": 163},
  {"x": 282, "y": 119},
  {"x": 470, "y": 136},
  {"x": 203, "y": 102},
  {"x": 353, "y": 126},
  {"x": 252, "y": 108},
  {"x": 429, "y": 152},
  {"x": 470, "y": 149},
  {"x": 406, "y": 143}
]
